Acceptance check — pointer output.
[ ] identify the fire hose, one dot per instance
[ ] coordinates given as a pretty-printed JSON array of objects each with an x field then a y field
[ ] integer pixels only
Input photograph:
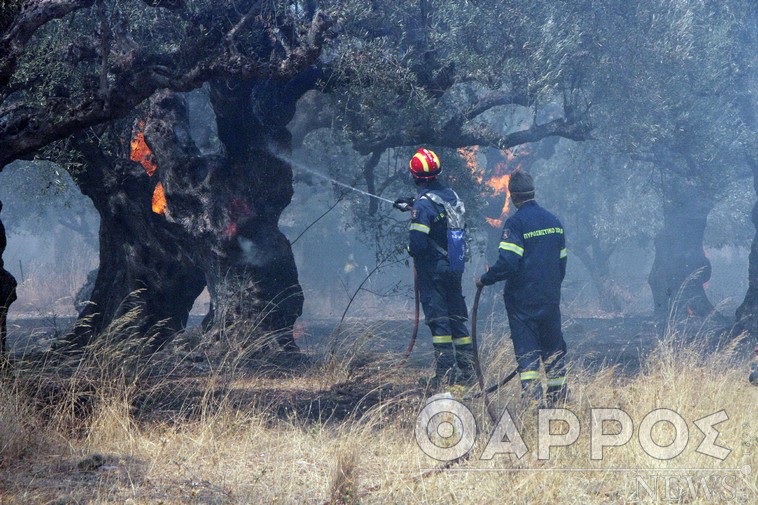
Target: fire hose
[
  {"x": 417, "y": 294},
  {"x": 484, "y": 392}
]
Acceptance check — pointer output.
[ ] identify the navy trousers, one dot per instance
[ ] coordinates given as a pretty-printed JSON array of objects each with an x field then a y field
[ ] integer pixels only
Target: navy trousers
[
  {"x": 537, "y": 337},
  {"x": 447, "y": 316}
]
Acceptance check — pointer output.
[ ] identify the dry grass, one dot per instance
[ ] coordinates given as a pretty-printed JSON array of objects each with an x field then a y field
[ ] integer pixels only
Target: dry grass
[{"x": 119, "y": 429}]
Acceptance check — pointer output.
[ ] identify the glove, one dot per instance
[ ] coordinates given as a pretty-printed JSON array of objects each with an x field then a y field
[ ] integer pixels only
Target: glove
[
  {"x": 480, "y": 281},
  {"x": 404, "y": 204}
]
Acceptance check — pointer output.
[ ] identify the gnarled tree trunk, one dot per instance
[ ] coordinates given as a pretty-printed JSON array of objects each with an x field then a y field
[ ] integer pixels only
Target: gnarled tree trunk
[
  {"x": 230, "y": 205},
  {"x": 680, "y": 268},
  {"x": 7, "y": 291},
  {"x": 144, "y": 263}
]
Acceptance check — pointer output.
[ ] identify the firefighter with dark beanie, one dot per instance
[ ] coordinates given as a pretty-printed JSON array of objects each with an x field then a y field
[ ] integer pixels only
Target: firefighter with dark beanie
[
  {"x": 532, "y": 262},
  {"x": 438, "y": 256}
]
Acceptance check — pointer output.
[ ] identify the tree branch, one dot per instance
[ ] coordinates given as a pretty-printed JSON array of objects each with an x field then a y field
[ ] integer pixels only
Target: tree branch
[
  {"x": 135, "y": 77},
  {"x": 34, "y": 14},
  {"x": 455, "y": 138}
]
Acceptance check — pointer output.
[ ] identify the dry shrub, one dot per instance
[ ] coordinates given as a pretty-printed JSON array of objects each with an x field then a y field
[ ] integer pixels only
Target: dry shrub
[
  {"x": 232, "y": 441},
  {"x": 19, "y": 430},
  {"x": 343, "y": 485}
]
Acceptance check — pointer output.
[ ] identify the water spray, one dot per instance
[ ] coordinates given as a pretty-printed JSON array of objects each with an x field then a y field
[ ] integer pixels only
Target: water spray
[{"x": 304, "y": 168}]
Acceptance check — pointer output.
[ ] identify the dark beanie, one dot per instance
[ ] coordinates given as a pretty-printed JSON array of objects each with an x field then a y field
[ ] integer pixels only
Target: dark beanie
[{"x": 521, "y": 184}]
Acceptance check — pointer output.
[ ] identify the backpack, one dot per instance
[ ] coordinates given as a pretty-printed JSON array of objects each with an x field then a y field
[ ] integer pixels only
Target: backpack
[{"x": 457, "y": 245}]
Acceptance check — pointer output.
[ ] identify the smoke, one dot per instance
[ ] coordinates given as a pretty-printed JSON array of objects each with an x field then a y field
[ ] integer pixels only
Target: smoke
[{"x": 251, "y": 254}]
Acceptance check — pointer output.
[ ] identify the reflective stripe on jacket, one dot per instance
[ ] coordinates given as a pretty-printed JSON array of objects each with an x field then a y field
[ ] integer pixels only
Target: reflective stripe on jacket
[{"x": 532, "y": 257}]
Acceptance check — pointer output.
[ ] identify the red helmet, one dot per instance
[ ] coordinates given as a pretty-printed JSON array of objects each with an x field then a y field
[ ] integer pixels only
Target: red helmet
[{"x": 425, "y": 164}]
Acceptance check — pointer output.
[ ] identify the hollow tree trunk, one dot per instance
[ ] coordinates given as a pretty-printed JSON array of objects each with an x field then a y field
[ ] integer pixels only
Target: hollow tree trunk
[
  {"x": 7, "y": 291},
  {"x": 680, "y": 268},
  {"x": 230, "y": 205},
  {"x": 144, "y": 263}
]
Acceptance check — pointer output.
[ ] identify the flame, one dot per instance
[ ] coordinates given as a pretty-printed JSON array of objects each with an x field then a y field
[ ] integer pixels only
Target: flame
[
  {"x": 140, "y": 152},
  {"x": 469, "y": 156},
  {"x": 159, "y": 200},
  {"x": 499, "y": 183},
  {"x": 499, "y": 178}
]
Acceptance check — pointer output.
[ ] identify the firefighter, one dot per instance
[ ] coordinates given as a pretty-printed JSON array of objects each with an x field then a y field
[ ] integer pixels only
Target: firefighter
[
  {"x": 439, "y": 284},
  {"x": 532, "y": 261}
]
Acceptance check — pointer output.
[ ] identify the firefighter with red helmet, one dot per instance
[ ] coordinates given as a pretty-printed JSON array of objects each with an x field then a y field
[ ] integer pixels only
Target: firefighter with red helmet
[{"x": 439, "y": 269}]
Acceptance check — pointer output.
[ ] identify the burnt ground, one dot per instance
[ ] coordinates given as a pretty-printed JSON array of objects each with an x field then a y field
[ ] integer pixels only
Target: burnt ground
[
  {"x": 177, "y": 388},
  {"x": 622, "y": 342}
]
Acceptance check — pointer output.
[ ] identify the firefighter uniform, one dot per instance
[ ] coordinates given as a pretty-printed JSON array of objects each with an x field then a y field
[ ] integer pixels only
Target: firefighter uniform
[
  {"x": 440, "y": 289},
  {"x": 532, "y": 261}
]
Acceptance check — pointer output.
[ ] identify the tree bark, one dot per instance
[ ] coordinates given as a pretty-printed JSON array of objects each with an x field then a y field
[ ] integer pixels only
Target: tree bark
[
  {"x": 7, "y": 291},
  {"x": 230, "y": 205},
  {"x": 144, "y": 262},
  {"x": 680, "y": 268}
]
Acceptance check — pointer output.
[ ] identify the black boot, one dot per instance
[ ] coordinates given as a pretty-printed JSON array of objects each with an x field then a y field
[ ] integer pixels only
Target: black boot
[
  {"x": 464, "y": 357},
  {"x": 444, "y": 372},
  {"x": 557, "y": 396},
  {"x": 531, "y": 393}
]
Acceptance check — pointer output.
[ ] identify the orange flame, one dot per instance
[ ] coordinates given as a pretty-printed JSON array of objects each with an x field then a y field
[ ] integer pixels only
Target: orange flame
[
  {"x": 140, "y": 152},
  {"x": 498, "y": 181},
  {"x": 159, "y": 200},
  {"x": 469, "y": 156}
]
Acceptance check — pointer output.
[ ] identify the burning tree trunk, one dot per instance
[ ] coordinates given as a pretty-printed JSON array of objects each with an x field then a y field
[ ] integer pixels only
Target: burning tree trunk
[
  {"x": 680, "y": 268},
  {"x": 7, "y": 290},
  {"x": 143, "y": 260},
  {"x": 230, "y": 205}
]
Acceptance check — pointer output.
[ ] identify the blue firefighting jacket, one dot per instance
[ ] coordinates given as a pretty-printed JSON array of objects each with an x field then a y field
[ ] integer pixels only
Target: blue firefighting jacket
[
  {"x": 532, "y": 257},
  {"x": 429, "y": 227}
]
